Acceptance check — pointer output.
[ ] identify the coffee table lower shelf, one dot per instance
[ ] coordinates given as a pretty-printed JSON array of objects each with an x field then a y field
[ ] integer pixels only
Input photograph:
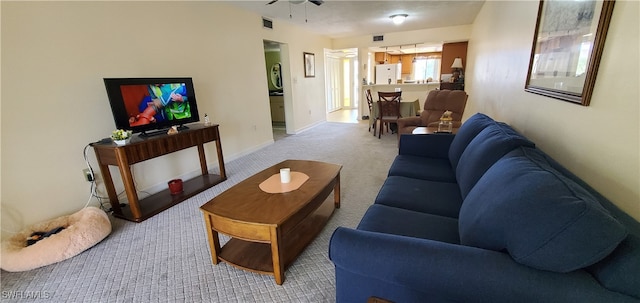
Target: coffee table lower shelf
[
  {"x": 257, "y": 257},
  {"x": 247, "y": 255}
]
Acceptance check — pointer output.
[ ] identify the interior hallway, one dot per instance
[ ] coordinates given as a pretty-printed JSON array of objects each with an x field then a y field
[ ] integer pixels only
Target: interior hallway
[
  {"x": 344, "y": 116},
  {"x": 341, "y": 116}
]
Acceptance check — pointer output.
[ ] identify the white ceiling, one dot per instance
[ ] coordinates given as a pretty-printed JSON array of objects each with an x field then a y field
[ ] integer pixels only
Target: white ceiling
[{"x": 341, "y": 18}]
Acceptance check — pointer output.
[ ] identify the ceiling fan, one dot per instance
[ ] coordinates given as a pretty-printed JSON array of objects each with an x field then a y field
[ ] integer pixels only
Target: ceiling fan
[{"x": 316, "y": 2}]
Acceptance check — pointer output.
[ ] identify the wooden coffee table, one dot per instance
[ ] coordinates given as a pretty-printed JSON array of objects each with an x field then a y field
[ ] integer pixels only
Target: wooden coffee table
[{"x": 268, "y": 231}]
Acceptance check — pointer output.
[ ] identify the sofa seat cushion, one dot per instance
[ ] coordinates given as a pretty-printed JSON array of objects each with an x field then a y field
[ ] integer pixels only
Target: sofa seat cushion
[
  {"x": 620, "y": 271},
  {"x": 432, "y": 197},
  {"x": 403, "y": 222},
  {"x": 540, "y": 217},
  {"x": 493, "y": 142},
  {"x": 435, "y": 169}
]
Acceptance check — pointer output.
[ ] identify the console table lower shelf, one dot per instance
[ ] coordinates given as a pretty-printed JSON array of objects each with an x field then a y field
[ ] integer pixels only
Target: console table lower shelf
[{"x": 163, "y": 200}]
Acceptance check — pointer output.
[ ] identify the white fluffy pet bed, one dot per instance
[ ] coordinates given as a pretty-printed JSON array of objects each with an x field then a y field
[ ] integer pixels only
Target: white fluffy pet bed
[{"x": 82, "y": 230}]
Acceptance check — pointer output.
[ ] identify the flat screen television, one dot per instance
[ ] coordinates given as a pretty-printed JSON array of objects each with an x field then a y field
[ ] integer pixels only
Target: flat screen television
[{"x": 151, "y": 105}]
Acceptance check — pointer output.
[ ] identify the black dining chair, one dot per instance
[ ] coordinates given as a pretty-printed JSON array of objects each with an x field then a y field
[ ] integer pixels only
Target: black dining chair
[
  {"x": 367, "y": 94},
  {"x": 388, "y": 110}
]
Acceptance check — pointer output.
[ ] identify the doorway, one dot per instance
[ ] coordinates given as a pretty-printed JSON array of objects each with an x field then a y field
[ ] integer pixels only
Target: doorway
[
  {"x": 275, "y": 81},
  {"x": 342, "y": 89}
]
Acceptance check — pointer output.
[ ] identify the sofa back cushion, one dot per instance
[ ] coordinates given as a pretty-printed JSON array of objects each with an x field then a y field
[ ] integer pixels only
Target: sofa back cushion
[
  {"x": 540, "y": 217},
  {"x": 469, "y": 130},
  {"x": 493, "y": 142}
]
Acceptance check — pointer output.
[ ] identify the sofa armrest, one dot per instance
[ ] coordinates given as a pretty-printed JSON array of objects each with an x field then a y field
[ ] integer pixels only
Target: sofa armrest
[
  {"x": 432, "y": 146},
  {"x": 455, "y": 272}
]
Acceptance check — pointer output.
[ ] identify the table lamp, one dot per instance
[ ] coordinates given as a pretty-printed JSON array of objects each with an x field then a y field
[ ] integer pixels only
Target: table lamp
[{"x": 457, "y": 69}]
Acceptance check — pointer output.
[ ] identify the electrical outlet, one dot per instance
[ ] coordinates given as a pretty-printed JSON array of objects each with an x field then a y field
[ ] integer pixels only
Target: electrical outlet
[{"x": 88, "y": 175}]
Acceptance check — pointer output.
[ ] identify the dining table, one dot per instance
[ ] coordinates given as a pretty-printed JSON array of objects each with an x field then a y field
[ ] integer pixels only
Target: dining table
[{"x": 407, "y": 109}]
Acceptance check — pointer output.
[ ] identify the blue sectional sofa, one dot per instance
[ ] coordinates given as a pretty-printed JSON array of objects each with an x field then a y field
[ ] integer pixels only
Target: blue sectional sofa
[{"x": 485, "y": 216}]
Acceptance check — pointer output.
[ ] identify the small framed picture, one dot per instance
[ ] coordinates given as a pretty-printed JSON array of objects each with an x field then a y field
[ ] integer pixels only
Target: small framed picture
[{"x": 309, "y": 65}]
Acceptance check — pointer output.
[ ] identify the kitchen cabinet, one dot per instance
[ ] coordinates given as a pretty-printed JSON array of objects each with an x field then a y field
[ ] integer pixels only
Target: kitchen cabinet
[
  {"x": 407, "y": 64},
  {"x": 277, "y": 108},
  {"x": 379, "y": 58}
]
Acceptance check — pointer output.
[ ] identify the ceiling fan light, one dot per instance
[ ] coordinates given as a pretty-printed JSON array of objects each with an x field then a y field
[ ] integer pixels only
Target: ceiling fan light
[{"x": 398, "y": 18}]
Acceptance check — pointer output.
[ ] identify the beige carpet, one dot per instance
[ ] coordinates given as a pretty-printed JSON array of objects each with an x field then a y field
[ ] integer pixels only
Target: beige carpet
[{"x": 166, "y": 258}]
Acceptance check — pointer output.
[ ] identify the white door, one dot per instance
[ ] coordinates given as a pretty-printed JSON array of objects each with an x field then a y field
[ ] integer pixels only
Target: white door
[
  {"x": 334, "y": 86},
  {"x": 342, "y": 85}
]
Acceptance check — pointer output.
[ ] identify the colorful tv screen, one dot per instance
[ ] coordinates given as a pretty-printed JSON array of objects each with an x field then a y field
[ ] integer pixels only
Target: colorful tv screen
[{"x": 142, "y": 104}]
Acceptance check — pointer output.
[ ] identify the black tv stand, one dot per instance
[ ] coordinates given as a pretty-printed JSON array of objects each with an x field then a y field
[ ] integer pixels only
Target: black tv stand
[{"x": 147, "y": 134}]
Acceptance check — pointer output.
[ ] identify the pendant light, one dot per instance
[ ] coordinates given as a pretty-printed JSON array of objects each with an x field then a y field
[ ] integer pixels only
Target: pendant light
[{"x": 415, "y": 53}]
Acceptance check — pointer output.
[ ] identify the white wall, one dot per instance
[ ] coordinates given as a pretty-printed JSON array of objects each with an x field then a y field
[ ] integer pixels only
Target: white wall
[
  {"x": 599, "y": 143},
  {"x": 55, "y": 54},
  {"x": 427, "y": 36}
]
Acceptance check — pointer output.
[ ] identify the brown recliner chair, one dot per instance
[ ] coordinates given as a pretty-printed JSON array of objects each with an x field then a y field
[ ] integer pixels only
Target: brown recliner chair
[{"x": 437, "y": 102}]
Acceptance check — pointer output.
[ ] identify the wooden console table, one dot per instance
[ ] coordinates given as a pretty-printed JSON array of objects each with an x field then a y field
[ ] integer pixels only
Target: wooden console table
[{"x": 141, "y": 149}]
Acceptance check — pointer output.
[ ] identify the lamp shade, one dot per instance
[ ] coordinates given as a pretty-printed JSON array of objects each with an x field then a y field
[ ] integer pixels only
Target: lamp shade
[{"x": 457, "y": 63}]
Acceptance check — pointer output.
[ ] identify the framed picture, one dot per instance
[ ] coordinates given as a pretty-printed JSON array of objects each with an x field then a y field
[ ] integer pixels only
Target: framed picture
[
  {"x": 309, "y": 65},
  {"x": 567, "y": 46}
]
